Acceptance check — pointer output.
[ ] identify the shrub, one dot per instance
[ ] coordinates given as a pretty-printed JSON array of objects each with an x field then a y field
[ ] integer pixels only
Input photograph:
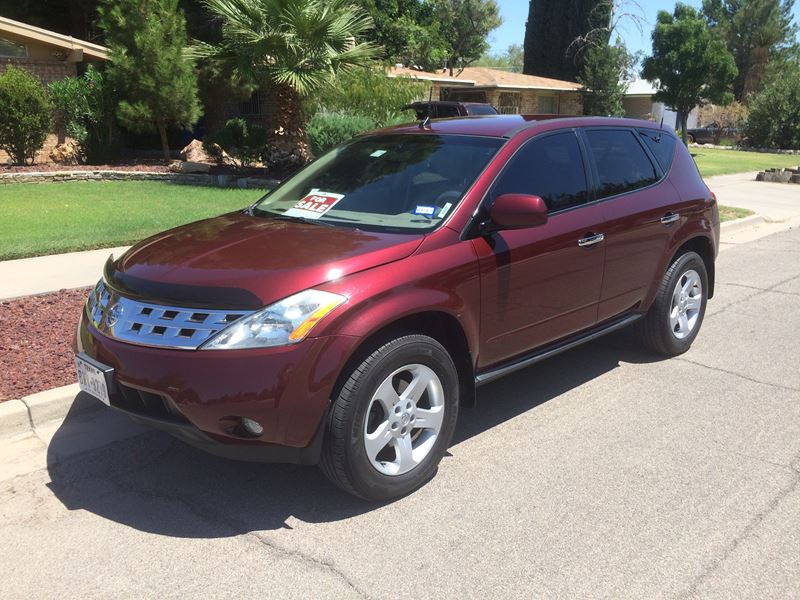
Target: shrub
[
  {"x": 242, "y": 140},
  {"x": 26, "y": 115},
  {"x": 732, "y": 116},
  {"x": 774, "y": 120},
  {"x": 71, "y": 107},
  {"x": 369, "y": 92},
  {"x": 101, "y": 100},
  {"x": 327, "y": 130}
]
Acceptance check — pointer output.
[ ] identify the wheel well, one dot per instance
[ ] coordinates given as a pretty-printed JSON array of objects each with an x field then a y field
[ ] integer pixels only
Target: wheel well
[
  {"x": 442, "y": 327},
  {"x": 702, "y": 246}
]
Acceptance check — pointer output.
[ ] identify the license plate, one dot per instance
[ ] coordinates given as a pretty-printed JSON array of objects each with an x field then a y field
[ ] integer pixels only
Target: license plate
[{"x": 92, "y": 380}]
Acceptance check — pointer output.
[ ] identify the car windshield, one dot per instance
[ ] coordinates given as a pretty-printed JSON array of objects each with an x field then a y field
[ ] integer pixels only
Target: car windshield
[{"x": 394, "y": 182}]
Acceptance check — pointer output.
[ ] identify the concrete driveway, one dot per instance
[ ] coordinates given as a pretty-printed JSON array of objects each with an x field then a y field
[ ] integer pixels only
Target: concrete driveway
[{"x": 604, "y": 472}]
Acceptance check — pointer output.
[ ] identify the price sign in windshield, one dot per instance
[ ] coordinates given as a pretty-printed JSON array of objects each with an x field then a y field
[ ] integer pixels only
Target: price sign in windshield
[{"x": 314, "y": 205}]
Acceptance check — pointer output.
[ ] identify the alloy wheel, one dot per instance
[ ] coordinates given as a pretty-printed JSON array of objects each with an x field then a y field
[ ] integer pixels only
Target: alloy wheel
[
  {"x": 403, "y": 420},
  {"x": 687, "y": 301}
]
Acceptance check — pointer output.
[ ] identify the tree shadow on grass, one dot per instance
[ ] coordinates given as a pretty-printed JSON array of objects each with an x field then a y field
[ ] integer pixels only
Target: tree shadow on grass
[{"x": 149, "y": 481}]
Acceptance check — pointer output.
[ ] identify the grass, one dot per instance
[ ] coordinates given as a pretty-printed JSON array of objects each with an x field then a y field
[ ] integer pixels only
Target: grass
[
  {"x": 713, "y": 161},
  {"x": 50, "y": 218},
  {"x": 729, "y": 213}
]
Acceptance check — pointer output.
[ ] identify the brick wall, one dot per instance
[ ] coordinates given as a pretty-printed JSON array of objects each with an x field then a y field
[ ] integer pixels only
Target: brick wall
[{"x": 46, "y": 71}]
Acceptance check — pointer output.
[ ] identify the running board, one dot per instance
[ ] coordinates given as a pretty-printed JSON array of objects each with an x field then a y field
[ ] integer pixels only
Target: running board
[{"x": 567, "y": 344}]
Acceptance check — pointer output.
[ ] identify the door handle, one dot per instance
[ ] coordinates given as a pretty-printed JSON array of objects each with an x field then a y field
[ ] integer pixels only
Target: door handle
[
  {"x": 670, "y": 218},
  {"x": 591, "y": 240}
]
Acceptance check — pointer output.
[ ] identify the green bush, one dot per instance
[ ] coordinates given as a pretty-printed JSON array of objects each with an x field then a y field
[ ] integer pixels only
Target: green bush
[
  {"x": 327, "y": 130},
  {"x": 774, "y": 120},
  {"x": 102, "y": 142},
  {"x": 26, "y": 115},
  {"x": 242, "y": 140},
  {"x": 369, "y": 92},
  {"x": 71, "y": 107}
]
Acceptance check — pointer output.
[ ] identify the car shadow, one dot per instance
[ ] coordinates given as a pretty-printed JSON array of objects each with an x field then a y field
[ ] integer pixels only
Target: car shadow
[{"x": 149, "y": 481}]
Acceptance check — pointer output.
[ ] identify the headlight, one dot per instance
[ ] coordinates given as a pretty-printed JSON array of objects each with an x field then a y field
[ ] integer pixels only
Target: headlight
[{"x": 285, "y": 322}]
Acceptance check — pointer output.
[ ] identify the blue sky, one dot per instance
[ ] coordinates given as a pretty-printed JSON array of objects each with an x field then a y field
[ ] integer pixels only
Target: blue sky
[{"x": 515, "y": 13}]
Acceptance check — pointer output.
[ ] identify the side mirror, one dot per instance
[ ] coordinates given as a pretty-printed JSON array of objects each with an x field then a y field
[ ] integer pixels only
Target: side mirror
[{"x": 517, "y": 211}]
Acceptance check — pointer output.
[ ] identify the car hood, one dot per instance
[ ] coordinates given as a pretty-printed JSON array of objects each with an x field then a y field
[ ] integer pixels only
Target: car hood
[{"x": 246, "y": 262}]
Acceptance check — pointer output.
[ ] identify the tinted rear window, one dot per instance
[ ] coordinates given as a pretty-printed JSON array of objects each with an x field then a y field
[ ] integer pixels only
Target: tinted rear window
[
  {"x": 661, "y": 145},
  {"x": 445, "y": 111},
  {"x": 622, "y": 164}
]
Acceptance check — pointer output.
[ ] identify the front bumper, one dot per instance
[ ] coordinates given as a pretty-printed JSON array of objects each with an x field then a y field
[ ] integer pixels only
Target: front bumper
[{"x": 196, "y": 395}]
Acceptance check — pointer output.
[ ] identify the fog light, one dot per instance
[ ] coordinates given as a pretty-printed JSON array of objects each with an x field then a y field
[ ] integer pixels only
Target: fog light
[{"x": 252, "y": 427}]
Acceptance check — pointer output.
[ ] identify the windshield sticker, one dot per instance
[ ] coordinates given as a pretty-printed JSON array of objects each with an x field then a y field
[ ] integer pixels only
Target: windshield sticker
[
  {"x": 425, "y": 210},
  {"x": 378, "y": 153},
  {"x": 445, "y": 209},
  {"x": 314, "y": 205}
]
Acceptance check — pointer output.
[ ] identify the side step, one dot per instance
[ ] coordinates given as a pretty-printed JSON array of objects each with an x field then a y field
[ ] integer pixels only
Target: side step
[{"x": 548, "y": 351}]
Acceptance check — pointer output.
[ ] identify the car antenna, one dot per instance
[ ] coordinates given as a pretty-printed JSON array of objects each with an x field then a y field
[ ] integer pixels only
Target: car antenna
[
  {"x": 660, "y": 129},
  {"x": 426, "y": 122}
]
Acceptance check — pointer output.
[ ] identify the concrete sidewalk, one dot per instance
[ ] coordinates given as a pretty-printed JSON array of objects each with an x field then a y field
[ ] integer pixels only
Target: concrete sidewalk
[
  {"x": 779, "y": 204},
  {"x": 42, "y": 274},
  {"x": 776, "y": 202}
]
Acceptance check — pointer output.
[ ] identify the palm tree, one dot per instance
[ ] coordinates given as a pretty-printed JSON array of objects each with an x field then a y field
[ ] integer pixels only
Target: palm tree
[{"x": 290, "y": 49}]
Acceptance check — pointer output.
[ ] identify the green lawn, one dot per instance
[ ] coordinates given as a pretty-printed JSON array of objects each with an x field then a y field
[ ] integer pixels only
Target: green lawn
[
  {"x": 49, "y": 218},
  {"x": 729, "y": 213},
  {"x": 712, "y": 161}
]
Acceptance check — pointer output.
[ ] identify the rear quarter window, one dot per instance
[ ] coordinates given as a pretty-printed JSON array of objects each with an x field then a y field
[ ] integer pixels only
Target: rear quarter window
[
  {"x": 621, "y": 162},
  {"x": 661, "y": 145}
]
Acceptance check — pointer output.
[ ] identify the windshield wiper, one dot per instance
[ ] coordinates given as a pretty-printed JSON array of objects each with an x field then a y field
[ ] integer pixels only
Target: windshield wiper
[{"x": 301, "y": 220}]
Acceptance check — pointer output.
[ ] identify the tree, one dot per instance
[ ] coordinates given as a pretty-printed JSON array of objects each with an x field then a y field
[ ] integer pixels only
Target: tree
[
  {"x": 690, "y": 65},
  {"x": 755, "y": 31},
  {"x": 552, "y": 28},
  {"x": 290, "y": 49},
  {"x": 26, "y": 115},
  {"x": 464, "y": 26},
  {"x": 510, "y": 60},
  {"x": 157, "y": 84},
  {"x": 774, "y": 119},
  {"x": 605, "y": 75}
]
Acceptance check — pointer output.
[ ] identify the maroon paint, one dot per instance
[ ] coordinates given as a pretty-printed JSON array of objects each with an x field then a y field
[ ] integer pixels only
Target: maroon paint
[{"x": 510, "y": 292}]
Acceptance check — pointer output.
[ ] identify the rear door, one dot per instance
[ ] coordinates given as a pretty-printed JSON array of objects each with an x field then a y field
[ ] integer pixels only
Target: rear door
[
  {"x": 540, "y": 284},
  {"x": 639, "y": 208}
]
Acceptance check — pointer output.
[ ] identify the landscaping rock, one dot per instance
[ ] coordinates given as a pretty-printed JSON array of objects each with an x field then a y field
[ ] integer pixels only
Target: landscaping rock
[
  {"x": 194, "y": 152},
  {"x": 187, "y": 166},
  {"x": 221, "y": 157},
  {"x": 67, "y": 153}
]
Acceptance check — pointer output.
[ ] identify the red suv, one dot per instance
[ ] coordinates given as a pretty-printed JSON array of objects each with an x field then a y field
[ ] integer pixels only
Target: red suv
[{"x": 345, "y": 317}]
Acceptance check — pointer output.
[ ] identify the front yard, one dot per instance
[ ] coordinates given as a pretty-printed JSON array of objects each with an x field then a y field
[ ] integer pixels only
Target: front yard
[
  {"x": 50, "y": 218},
  {"x": 713, "y": 161}
]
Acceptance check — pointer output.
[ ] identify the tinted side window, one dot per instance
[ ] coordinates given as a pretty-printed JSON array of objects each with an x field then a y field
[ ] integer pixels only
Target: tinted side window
[
  {"x": 550, "y": 167},
  {"x": 443, "y": 112},
  {"x": 622, "y": 164},
  {"x": 661, "y": 145},
  {"x": 481, "y": 110}
]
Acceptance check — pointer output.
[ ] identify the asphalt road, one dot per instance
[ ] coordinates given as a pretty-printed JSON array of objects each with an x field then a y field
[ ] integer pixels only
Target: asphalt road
[{"x": 604, "y": 472}]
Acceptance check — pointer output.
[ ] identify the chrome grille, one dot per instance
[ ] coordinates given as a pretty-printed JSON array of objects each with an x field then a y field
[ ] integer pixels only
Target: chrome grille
[{"x": 155, "y": 324}]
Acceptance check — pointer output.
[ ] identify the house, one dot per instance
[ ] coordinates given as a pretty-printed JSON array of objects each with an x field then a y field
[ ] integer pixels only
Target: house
[
  {"x": 640, "y": 104},
  {"x": 47, "y": 54},
  {"x": 510, "y": 93}
]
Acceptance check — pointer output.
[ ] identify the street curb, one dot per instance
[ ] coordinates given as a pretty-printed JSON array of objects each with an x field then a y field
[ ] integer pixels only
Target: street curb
[
  {"x": 13, "y": 418},
  {"x": 30, "y": 412},
  {"x": 738, "y": 224}
]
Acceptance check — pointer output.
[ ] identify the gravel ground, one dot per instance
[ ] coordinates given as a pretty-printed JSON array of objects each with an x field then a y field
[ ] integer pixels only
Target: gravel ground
[{"x": 36, "y": 335}]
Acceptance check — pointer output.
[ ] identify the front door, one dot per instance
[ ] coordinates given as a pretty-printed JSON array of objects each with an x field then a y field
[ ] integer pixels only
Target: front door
[{"x": 543, "y": 283}]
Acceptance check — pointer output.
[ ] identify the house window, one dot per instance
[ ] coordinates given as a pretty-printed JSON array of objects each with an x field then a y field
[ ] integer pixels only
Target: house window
[
  {"x": 508, "y": 103},
  {"x": 548, "y": 105},
  {"x": 13, "y": 49}
]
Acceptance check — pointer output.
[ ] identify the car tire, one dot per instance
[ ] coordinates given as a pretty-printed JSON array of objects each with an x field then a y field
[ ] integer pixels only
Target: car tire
[
  {"x": 372, "y": 448},
  {"x": 675, "y": 317},
  {"x": 690, "y": 138}
]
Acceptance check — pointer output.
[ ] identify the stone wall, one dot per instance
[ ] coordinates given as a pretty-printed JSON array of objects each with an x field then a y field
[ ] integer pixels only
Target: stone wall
[{"x": 225, "y": 181}]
